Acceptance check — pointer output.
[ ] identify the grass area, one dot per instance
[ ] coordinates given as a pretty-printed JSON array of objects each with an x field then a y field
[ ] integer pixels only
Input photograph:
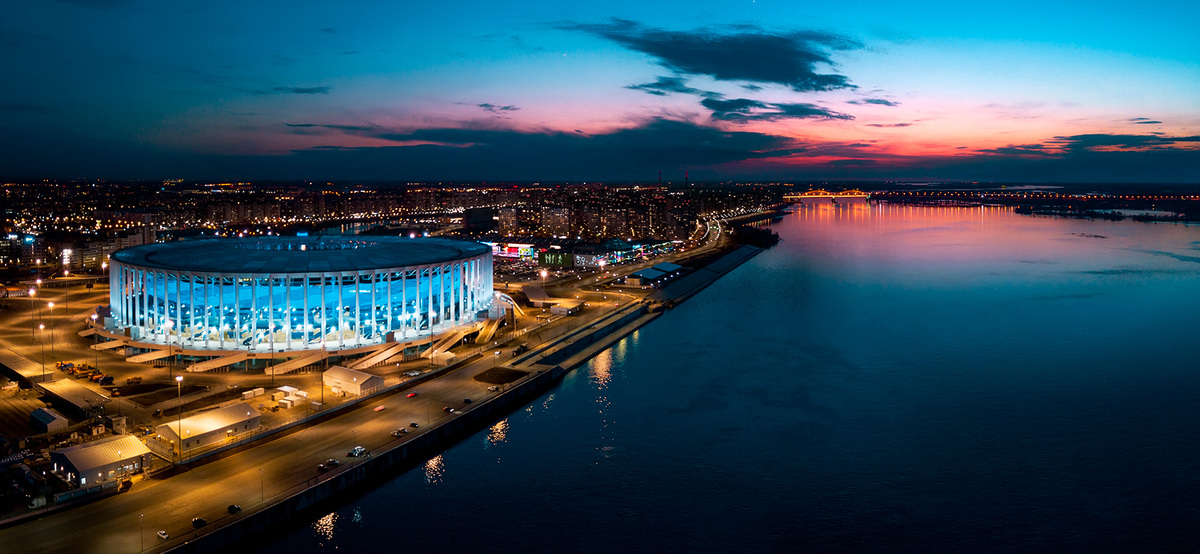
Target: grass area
[{"x": 499, "y": 376}]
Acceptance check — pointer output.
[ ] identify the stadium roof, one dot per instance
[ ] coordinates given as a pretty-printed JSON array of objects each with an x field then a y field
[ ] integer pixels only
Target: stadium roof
[
  {"x": 297, "y": 254},
  {"x": 103, "y": 452}
]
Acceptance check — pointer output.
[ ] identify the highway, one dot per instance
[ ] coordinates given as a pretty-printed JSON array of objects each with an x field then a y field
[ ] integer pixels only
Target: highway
[{"x": 275, "y": 467}]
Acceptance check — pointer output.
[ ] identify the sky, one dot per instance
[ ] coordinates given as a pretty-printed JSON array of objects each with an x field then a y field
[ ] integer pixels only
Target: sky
[{"x": 600, "y": 91}]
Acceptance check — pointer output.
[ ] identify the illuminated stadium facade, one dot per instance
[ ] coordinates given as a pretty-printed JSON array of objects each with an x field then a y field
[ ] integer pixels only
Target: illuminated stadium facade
[{"x": 297, "y": 293}]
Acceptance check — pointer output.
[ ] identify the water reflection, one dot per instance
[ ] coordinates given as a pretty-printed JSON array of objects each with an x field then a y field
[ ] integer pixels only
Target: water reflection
[
  {"x": 435, "y": 470},
  {"x": 602, "y": 368},
  {"x": 325, "y": 525},
  {"x": 498, "y": 433}
]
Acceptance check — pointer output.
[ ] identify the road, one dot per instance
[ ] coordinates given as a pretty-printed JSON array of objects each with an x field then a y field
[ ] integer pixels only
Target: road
[{"x": 272, "y": 468}]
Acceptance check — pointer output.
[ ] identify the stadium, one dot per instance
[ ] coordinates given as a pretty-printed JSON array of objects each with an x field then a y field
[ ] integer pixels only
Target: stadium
[{"x": 281, "y": 294}]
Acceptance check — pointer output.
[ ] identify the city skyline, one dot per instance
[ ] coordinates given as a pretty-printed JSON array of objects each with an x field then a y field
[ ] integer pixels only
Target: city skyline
[{"x": 111, "y": 89}]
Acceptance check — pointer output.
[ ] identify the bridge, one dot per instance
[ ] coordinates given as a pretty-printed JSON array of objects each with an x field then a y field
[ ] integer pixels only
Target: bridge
[{"x": 820, "y": 194}]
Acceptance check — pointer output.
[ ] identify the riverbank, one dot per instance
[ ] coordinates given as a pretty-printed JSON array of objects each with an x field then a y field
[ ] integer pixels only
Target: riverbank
[{"x": 544, "y": 367}]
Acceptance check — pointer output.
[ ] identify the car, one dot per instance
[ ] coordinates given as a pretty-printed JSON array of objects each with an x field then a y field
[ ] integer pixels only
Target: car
[
  {"x": 400, "y": 431},
  {"x": 466, "y": 401},
  {"x": 233, "y": 508},
  {"x": 380, "y": 408},
  {"x": 411, "y": 394},
  {"x": 356, "y": 452},
  {"x": 413, "y": 425},
  {"x": 199, "y": 522},
  {"x": 163, "y": 535},
  {"x": 493, "y": 388},
  {"x": 447, "y": 409},
  {"x": 328, "y": 465}
]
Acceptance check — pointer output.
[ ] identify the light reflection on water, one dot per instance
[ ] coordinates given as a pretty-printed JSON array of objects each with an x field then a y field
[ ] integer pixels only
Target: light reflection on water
[
  {"x": 498, "y": 433},
  {"x": 887, "y": 378},
  {"x": 325, "y": 524},
  {"x": 435, "y": 470}
]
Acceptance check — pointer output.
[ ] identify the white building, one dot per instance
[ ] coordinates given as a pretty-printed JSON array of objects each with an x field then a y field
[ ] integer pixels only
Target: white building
[
  {"x": 210, "y": 427},
  {"x": 351, "y": 381},
  {"x": 101, "y": 461}
]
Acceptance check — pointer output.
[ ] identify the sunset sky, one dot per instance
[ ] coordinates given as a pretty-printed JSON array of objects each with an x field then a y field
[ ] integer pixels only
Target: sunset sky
[{"x": 616, "y": 90}]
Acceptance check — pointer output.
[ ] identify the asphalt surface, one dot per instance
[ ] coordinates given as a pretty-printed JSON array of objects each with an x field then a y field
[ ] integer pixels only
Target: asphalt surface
[{"x": 276, "y": 467}]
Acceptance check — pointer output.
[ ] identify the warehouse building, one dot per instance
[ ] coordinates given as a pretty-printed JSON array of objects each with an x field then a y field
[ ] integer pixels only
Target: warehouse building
[
  {"x": 209, "y": 427},
  {"x": 101, "y": 461}
]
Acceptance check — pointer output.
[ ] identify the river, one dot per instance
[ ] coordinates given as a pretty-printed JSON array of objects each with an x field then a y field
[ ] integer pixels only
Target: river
[{"x": 887, "y": 378}]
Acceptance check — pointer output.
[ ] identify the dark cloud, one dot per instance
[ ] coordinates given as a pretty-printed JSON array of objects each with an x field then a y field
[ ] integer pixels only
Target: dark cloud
[
  {"x": 1119, "y": 142},
  {"x": 743, "y": 53},
  {"x": 1019, "y": 150},
  {"x": 494, "y": 108},
  {"x": 876, "y": 101},
  {"x": 349, "y": 128},
  {"x": 504, "y": 153},
  {"x": 743, "y": 110},
  {"x": 890, "y": 124},
  {"x": 663, "y": 86},
  {"x": 302, "y": 90},
  {"x": 1144, "y": 121}
]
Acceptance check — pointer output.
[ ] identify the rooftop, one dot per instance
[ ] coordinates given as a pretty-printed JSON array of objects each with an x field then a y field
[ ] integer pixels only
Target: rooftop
[
  {"x": 297, "y": 254},
  {"x": 103, "y": 452},
  {"x": 211, "y": 420}
]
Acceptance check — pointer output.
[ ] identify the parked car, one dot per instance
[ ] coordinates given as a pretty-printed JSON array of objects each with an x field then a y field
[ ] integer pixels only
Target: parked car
[
  {"x": 133, "y": 381},
  {"x": 163, "y": 535},
  {"x": 356, "y": 452},
  {"x": 466, "y": 401},
  {"x": 413, "y": 425},
  {"x": 380, "y": 408},
  {"x": 233, "y": 508},
  {"x": 411, "y": 394},
  {"x": 199, "y": 522},
  {"x": 400, "y": 431}
]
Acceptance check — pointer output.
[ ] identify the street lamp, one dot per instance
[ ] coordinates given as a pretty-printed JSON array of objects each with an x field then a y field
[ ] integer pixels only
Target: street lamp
[
  {"x": 96, "y": 341},
  {"x": 179, "y": 412},
  {"x": 52, "y": 355},
  {"x": 142, "y": 530},
  {"x": 42, "y": 327},
  {"x": 262, "y": 487},
  {"x": 67, "y": 273},
  {"x": 543, "y": 279},
  {"x": 32, "y": 293}
]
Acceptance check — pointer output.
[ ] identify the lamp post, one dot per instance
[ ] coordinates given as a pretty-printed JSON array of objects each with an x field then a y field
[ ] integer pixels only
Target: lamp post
[
  {"x": 179, "y": 412},
  {"x": 52, "y": 355},
  {"x": 32, "y": 327},
  {"x": 96, "y": 341},
  {"x": 42, "y": 327},
  {"x": 262, "y": 487},
  {"x": 67, "y": 273},
  {"x": 142, "y": 530}
]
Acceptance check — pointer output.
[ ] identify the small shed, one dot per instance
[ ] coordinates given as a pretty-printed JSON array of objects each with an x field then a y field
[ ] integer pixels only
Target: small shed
[
  {"x": 352, "y": 381},
  {"x": 46, "y": 420},
  {"x": 101, "y": 461}
]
